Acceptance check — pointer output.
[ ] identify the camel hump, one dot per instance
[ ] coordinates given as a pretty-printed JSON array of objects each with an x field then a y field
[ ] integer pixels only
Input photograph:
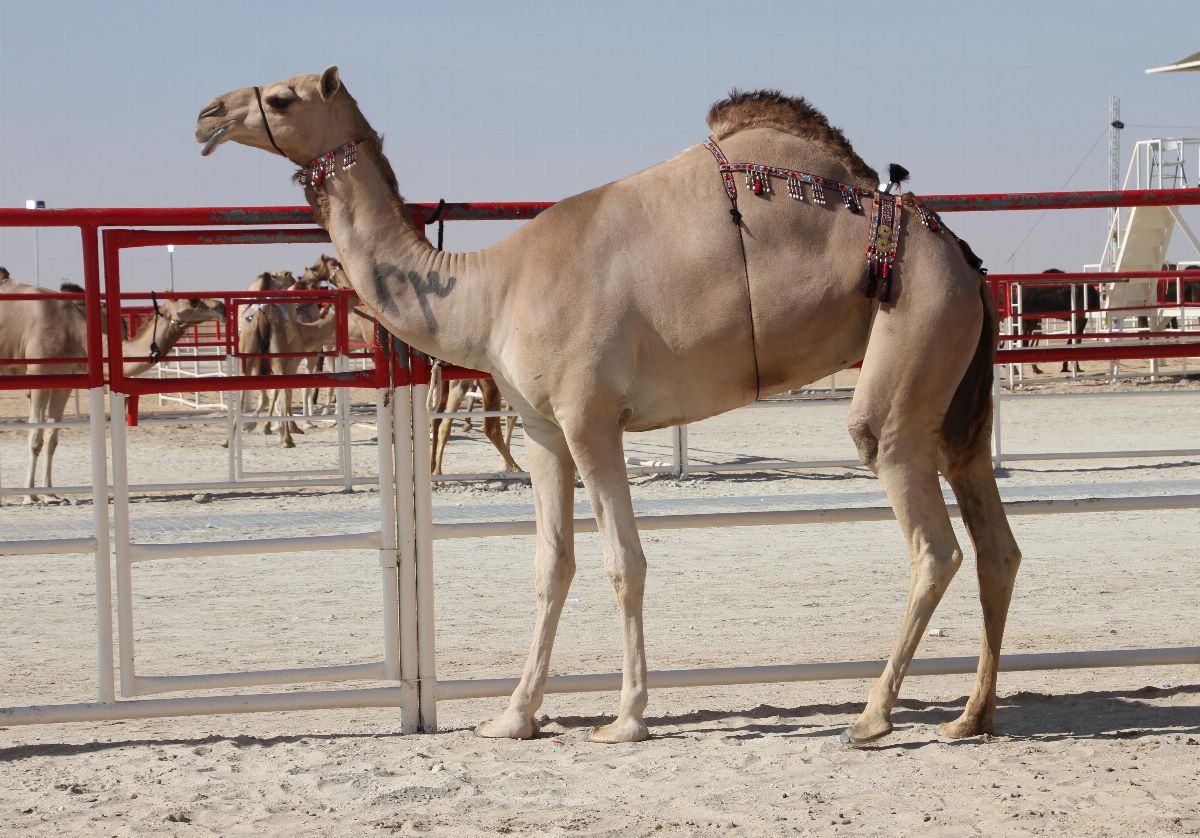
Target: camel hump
[{"x": 745, "y": 109}]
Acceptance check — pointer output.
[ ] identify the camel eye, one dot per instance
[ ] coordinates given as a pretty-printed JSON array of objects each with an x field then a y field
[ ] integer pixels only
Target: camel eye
[{"x": 279, "y": 103}]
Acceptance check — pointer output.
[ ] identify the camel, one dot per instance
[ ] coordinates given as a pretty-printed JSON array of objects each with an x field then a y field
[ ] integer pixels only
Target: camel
[
  {"x": 57, "y": 328},
  {"x": 254, "y": 335},
  {"x": 285, "y": 328},
  {"x": 1055, "y": 302},
  {"x": 327, "y": 272},
  {"x": 604, "y": 314},
  {"x": 449, "y": 396}
]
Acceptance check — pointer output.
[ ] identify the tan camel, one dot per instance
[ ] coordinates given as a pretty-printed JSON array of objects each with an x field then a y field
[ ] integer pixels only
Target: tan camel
[
  {"x": 604, "y": 313},
  {"x": 254, "y": 336},
  {"x": 327, "y": 272},
  {"x": 57, "y": 328},
  {"x": 290, "y": 328}
]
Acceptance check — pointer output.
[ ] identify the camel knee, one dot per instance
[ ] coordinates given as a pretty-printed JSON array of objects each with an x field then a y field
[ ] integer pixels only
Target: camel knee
[
  {"x": 935, "y": 569},
  {"x": 865, "y": 441},
  {"x": 627, "y": 575}
]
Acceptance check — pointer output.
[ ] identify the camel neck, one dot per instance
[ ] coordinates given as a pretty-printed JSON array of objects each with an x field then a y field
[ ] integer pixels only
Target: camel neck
[
  {"x": 438, "y": 302},
  {"x": 159, "y": 329}
]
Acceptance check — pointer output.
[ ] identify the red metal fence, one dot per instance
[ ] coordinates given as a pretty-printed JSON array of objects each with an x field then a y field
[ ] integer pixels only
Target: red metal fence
[{"x": 96, "y": 225}]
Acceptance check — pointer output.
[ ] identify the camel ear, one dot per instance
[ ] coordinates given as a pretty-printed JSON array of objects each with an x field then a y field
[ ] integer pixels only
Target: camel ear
[{"x": 331, "y": 83}]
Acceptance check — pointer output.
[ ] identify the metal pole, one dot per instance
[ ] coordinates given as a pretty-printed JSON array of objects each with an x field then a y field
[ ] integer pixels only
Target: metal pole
[
  {"x": 346, "y": 453},
  {"x": 402, "y": 437},
  {"x": 388, "y": 554},
  {"x": 171, "y": 258},
  {"x": 120, "y": 466},
  {"x": 427, "y": 648},
  {"x": 104, "y": 626},
  {"x": 679, "y": 458},
  {"x": 997, "y": 458}
]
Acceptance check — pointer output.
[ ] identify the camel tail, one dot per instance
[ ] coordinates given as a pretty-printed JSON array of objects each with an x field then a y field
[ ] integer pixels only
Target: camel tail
[{"x": 969, "y": 418}]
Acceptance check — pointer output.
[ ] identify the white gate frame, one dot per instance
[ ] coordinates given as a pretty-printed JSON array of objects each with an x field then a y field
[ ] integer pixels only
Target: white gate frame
[{"x": 405, "y": 544}]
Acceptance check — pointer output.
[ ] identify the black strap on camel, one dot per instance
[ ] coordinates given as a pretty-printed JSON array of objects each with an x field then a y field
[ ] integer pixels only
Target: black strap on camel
[{"x": 267, "y": 125}]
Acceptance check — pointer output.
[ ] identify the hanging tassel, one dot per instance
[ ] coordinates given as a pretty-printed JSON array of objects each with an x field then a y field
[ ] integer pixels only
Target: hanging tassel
[
  {"x": 793, "y": 185},
  {"x": 758, "y": 181},
  {"x": 870, "y": 280},
  {"x": 818, "y": 191},
  {"x": 850, "y": 199},
  {"x": 885, "y": 285},
  {"x": 350, "y": 155}
]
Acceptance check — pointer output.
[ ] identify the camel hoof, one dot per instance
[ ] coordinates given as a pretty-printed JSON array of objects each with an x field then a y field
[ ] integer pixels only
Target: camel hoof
[
  {"x": 287, "y": 443},
  {"x": 859, "y": 734},
  {"x": 508, "y": 726},
  {"x": 963, "y": 727},
  {"x": 30, "y": 500},
  {"x": 624, "y": 729}
]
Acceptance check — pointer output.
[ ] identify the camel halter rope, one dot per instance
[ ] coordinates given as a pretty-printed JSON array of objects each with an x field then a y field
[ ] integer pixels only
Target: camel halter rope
[
  {"x": 155, "y": 352},
  {"x": 320, "y": 167}
]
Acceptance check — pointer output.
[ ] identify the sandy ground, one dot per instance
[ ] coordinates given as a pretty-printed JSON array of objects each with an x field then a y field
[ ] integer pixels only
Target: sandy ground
[{"x": 1098, "y": 752}]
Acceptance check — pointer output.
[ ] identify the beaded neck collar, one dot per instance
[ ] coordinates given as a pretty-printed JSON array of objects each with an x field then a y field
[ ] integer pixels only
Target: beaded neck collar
[{"x": 314, "y": 172}]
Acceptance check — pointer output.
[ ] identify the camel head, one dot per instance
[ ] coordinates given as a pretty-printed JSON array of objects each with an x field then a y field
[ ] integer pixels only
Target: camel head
[
  {"x": 327, "y": 270},
  {"x": 193, "y": 311},
  {"x": 301, "y": 117}
]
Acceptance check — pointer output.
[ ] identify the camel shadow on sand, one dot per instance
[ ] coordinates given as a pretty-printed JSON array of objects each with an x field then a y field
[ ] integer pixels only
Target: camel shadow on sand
[
  {"x": 1099, "y": 715},
  {"x": 1035, "y": 717}
]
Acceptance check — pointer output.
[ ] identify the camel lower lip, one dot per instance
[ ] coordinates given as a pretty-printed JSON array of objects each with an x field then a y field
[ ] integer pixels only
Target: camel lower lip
[{"x": 214, "y": 140}]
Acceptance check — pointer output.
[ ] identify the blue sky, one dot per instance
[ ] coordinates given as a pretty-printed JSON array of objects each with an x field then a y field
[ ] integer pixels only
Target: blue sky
[{"x": 539, "y": 100}]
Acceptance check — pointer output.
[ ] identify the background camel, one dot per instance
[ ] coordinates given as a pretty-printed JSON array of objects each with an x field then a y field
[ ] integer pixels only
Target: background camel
[
  {"x": 285, "y": 328},
  {"x": 449, "y": 397},
  {"x": 57, "y": 328},
  {"x": 1054, "y": 301},
  {"x": 254, "y": 335},
  {"x": 605, "y": 313}
]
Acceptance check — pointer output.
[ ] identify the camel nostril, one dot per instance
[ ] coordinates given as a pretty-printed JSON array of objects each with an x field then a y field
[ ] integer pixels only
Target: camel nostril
[{"x": 212, "y": 110}]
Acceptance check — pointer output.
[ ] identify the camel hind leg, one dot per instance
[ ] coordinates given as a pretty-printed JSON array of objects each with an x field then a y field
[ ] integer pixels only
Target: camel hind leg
[
  {"x": 997, "y": 559},
  {"x": 911, "y": 381},
  {"x": 55, "y": 411}
]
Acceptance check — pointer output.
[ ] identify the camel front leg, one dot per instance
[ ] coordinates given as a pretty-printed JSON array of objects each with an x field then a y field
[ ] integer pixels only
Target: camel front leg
[
  {"x": 553, "y": 474},
  {"x": 601, "y": 461},
  {"x": 934, "y": 557},
  {"x": 449, "y": 400},
  {"x": 38, "y": 402},
  {"x": 286, "y": 425}
]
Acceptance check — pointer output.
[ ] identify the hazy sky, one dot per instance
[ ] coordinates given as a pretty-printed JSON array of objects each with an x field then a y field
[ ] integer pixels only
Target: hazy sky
[{"x": 539, "y": 100}]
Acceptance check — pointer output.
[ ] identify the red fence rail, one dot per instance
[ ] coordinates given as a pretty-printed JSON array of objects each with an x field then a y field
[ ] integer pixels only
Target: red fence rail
[{"x": 266, "y": 222}]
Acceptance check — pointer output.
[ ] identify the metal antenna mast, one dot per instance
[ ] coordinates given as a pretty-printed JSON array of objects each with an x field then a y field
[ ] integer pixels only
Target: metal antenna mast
[{"x": 1114, "y": 175}]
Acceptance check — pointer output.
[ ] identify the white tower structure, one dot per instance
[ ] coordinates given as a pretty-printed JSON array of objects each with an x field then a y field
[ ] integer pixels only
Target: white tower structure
[{"x": 1138, "y": 237}]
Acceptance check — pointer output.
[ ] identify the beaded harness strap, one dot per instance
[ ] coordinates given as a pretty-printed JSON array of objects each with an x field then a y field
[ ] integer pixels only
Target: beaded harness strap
[{"x": 883, "y": 238}]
